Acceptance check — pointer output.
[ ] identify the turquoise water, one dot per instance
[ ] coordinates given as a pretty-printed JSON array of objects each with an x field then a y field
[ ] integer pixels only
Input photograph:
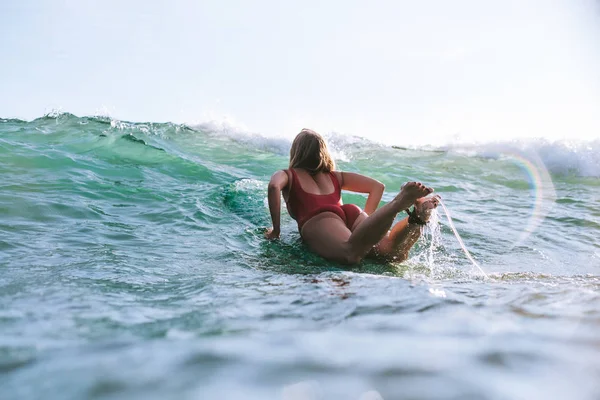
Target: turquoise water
[{"x": 132, "y": 265}]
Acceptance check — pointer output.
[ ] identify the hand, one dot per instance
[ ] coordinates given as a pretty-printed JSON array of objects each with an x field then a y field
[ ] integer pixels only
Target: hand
[{"x": 272, "y": 234}]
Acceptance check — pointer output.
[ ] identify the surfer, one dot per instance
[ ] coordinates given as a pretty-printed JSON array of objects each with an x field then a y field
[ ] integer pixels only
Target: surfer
[{"x": 344, "y": 233}]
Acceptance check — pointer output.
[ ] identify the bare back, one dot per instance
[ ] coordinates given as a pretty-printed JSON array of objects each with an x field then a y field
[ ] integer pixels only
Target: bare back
[{"x": 319, "y": 184}]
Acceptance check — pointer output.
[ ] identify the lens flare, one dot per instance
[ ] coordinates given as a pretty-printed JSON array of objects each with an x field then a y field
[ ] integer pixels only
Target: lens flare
[{"x": 541, "y": 186}]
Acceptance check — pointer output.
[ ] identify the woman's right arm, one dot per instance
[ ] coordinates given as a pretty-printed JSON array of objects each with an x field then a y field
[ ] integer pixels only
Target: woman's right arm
[
  {"x": 363, "y": 184},
  {"x": 278, "y": 182}
]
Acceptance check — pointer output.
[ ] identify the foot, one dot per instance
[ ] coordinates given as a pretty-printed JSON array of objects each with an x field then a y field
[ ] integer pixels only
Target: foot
[
  {"x": 425, "y": 206},
  {"x": 410, "y": 192}
]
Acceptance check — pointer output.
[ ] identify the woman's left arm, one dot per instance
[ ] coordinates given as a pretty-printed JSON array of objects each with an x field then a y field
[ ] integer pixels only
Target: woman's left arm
[
  {"x": 363, "y": 184},
  {"x": 278, "y": 182}
]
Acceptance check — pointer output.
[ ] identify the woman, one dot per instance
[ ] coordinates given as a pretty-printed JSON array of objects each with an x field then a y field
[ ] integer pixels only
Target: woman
[{"x": 343, "y": 232}]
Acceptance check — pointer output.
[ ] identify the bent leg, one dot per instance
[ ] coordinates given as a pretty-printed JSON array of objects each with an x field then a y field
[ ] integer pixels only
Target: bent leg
[
  {"x": 329, "y": 237},
  {"x": 396, "y": 245},
  {"x": 370, "y": 231},
  {"x": 398, "y": 242}
]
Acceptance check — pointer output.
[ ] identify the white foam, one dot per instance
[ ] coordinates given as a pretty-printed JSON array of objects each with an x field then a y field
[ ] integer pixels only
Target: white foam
[
  {"x": 580, "y": 157},
  {"x": 565, "y": 157},
  {"x": 228, "y": 127}
]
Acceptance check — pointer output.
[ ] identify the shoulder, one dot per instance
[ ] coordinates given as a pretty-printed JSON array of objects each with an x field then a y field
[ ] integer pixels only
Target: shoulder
[
  {"x": 281, "y": 173},
  {"x": 280, "y": 179},
  {"x": 288, "y": 172}
]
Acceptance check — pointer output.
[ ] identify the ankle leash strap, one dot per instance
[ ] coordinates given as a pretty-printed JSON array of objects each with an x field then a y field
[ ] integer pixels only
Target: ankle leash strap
[{"x": 413, "y": 218}]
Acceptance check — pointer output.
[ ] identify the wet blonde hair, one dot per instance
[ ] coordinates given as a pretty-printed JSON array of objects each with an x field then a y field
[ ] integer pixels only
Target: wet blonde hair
[{"x": 309, "y": 152}]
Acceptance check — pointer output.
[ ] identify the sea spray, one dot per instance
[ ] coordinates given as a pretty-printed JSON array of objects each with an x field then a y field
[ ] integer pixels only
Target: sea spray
[
  {"x": 435, "y": 239},
  {"x": 460, "y": 241}
]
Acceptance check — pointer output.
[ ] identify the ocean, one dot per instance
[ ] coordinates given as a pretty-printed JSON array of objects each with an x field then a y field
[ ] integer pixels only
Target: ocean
[{"x": 133, "y": 266}]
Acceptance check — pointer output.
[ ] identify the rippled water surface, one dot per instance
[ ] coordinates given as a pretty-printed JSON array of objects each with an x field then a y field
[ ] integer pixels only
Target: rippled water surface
[{"x": 132, "y": 265}]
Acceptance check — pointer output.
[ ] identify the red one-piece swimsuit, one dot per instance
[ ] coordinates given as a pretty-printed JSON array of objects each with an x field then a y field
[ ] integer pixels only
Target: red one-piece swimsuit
[{"x": 303, "y": 206}]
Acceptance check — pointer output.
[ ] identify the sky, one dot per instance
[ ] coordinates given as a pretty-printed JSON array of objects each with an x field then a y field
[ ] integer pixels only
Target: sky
[{"x": 396, "y": 71}]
